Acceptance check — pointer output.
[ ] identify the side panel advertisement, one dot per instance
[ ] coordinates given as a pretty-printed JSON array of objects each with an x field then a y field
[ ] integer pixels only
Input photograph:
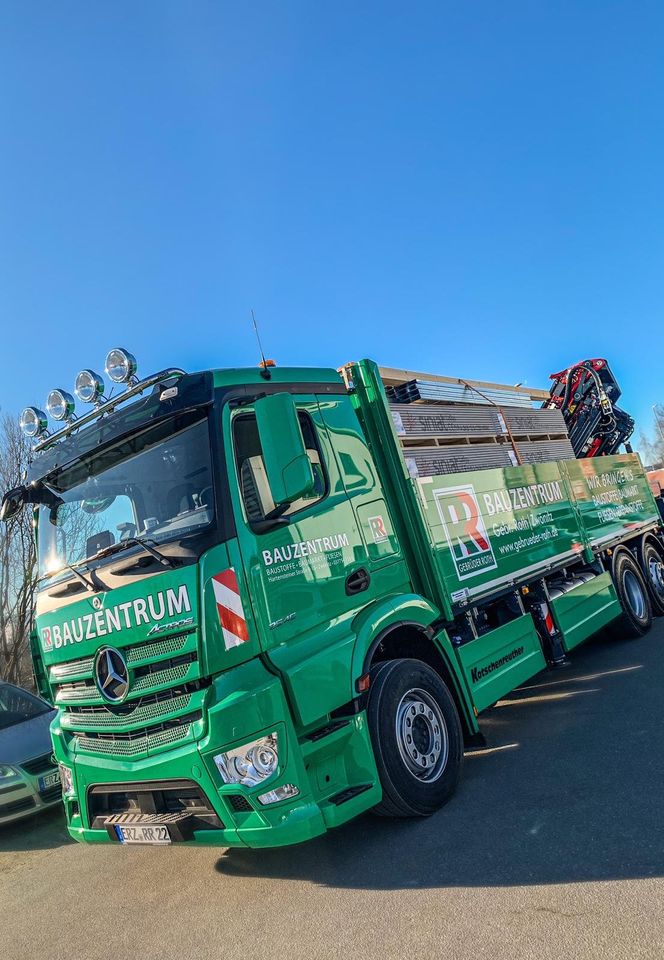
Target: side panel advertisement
[
  {"x": 612, "y": 494},
  {"x": 489, "y": 526}
]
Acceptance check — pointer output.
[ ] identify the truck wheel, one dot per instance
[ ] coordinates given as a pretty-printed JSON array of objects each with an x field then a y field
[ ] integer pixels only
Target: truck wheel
[
  {"x": 651, "y": 562},
  {"x": 416, "y": 736},
  {"x": 636, "y": 618}
]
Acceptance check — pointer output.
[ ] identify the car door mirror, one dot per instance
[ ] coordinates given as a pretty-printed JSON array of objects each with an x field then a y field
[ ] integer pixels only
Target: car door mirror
[{"x": 287, "y": 465}]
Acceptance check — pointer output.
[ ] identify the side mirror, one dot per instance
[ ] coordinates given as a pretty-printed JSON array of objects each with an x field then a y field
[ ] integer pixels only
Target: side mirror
[
  {"x": 288, "y": 468},
  {"x": 12, "y": 502}
]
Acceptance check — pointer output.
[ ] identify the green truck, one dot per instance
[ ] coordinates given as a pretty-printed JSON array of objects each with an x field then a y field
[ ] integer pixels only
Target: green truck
[{"x": 255, "y": 623}]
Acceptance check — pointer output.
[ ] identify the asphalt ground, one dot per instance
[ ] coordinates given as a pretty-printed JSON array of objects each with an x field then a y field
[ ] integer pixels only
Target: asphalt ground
[{"x": 553, "y": 847}]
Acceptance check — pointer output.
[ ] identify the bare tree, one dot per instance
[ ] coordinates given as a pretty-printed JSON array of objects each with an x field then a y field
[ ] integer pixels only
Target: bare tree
[
  {"x": 651, "y": 444},
  {"x": 18, "y": 567}
]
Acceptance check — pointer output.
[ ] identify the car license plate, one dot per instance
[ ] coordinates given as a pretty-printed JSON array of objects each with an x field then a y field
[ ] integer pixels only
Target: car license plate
[
  {"x": 48, "y": 780},
  {"x": 143, "y": 834}
]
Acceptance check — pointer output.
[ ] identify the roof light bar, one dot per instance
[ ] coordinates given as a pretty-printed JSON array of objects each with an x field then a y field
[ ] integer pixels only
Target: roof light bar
[{"x": 109, "y": 405}]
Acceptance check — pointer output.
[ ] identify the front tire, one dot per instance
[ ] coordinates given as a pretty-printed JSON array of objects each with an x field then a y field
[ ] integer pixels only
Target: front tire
[
  {"x": 636, "y": 618},
  {"x": 417, "y": 738}
]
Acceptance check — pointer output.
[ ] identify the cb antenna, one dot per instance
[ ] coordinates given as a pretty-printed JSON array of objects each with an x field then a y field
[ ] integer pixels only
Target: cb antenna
[{"x": 265, "y": 369}]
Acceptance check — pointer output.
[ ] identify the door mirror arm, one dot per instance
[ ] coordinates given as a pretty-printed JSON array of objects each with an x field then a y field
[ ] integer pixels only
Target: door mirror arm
[{"x": 270, "y": 522}]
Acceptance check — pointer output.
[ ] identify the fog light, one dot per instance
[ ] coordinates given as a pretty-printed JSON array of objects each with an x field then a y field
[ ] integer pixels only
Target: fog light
[
  {"x": 33, "y": 422},
  {"x": 67, "y": 780},
  {"x": 60, "y": 404},
  {"x": 89, "y": 386},
  {"x": 279, "y": 793},
  {"x": 120, "y": 365},
  {"x": 250, "y": 764}
]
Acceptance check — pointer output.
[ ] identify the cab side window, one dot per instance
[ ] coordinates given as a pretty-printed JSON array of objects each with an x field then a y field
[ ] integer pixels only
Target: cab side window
[{"x": 254, "y": 488}]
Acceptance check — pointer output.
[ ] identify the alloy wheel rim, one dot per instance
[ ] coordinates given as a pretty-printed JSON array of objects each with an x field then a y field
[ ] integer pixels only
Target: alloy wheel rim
[
  {"x": 635, "y": 596},
  {"x": 422, "y": 735},
  {"x": 655, "y": 574}
]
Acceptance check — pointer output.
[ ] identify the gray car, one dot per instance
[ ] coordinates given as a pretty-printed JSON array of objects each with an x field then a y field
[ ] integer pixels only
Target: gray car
[{"x": 29, "y": 779}]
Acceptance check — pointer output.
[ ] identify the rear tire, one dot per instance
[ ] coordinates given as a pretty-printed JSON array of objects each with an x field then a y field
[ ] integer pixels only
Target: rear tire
[
  {"x": 636, "y": 618},
  {"x": 416, "y": 736},
  {"x": 651, "y": 561}
]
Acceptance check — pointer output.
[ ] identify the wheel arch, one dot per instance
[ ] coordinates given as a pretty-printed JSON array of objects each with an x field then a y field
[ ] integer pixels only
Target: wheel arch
[
  {"x": 651, "y": 536},
  {"x": 407, "y": 630}
]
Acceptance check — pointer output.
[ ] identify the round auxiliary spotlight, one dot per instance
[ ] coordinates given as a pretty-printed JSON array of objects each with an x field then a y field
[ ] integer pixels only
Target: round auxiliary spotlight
[
  {"x": 120, "y": 365},
  {"x": 89, "y": 386},
  {"x": 60, "y": 405},
  {"x": 33, "y": 422}
]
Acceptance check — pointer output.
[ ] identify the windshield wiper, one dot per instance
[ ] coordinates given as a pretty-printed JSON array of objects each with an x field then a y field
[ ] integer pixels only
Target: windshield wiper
[
  {"x": 93, "y": 584},
  {"x": 147, "y": 545}
]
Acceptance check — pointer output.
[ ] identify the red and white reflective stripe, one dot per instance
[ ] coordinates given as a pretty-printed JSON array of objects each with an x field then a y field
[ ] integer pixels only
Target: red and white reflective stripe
[
  {"x": 548, "y": 619},
  {"x": 229, "y": 607}
]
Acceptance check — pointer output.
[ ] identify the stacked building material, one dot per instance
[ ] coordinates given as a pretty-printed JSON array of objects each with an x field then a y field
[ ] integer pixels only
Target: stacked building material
[
  {"x": 431, "y": 391},
  {"x": 442, "y": 432},
  {"x": 422, "y": 421}
]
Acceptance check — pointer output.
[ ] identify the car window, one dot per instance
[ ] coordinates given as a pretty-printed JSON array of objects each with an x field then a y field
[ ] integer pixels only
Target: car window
[
  {"x": 18, "y": 705},
  {"x": 255, "y": 490}
]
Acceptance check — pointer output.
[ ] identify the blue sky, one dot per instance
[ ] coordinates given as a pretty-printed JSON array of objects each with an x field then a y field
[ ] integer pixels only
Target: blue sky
[{"x": 470, "y": 188}]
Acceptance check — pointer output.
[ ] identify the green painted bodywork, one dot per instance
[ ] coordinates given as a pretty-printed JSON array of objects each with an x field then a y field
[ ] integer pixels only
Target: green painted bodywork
[
  {"x": 612, "y": 496},
  {"x": 428, "y": 548},
  {"x": 586, "y": 609}
]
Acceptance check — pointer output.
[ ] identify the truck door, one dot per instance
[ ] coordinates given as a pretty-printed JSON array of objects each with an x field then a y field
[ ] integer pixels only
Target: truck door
[{"x": 308, "y": 577}]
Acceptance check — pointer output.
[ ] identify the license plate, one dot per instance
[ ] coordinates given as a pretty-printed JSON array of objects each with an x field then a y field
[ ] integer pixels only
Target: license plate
[
  {"x": 48, "y": 780},
  {"x": 143, "y": 834}
]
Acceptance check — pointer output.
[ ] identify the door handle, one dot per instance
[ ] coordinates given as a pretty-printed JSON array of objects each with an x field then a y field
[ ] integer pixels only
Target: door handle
[{"x": 357, "y": 581}]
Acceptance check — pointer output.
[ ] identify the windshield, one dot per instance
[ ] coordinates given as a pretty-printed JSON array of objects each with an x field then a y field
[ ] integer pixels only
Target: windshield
[
  {"x": 18, "y": 705},
  {"x": 156, "y": 484}
]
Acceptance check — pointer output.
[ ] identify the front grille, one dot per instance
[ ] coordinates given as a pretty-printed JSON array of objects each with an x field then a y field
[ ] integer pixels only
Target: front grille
[
  {"x": 53, "y": 793},
  {"x": 62, "y": 671},
  {"x": 151, "y": 650},
  {"x": 39, "y": 765},
  {"x": 156, "y": 648},
  {"x": 27, "y": 803},
  {"x": 239, "y": 803},
  {"x": 160, "y": 673},
  {"x": 133, "y": 742},
  {"x": 139, "y": 712},
  {"x": 166, "y": 696}
]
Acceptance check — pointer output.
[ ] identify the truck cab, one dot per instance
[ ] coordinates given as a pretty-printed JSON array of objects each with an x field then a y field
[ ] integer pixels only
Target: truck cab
[{"x": 206, "y": 551}]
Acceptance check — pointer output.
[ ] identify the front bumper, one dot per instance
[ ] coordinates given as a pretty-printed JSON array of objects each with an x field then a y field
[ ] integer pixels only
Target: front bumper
[
  {"x": 22, "y": 796},
  {"x": 333, "y": 768}
]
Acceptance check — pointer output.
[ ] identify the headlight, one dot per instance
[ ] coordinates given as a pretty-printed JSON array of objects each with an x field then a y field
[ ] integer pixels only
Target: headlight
[
  {"x": 89, "y": 386},
  {"x": 120, "y": 365},
  {"x": 250, "y": 764},
  {"x": 60, "y": 404},
  {"x": 33, "y": 422},
  {"x": 67, "y": 780},
  {"x": 7, "y": 772}
]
